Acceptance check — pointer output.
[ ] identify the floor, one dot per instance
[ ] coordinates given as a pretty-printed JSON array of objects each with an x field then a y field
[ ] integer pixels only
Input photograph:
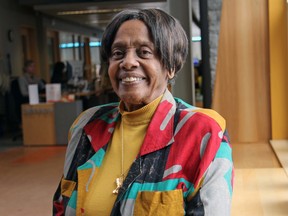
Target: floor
[
  {"x": 281, "y": 149},
  {"x": 29, "y": 176},
  {"x": 261, "y": 184}
]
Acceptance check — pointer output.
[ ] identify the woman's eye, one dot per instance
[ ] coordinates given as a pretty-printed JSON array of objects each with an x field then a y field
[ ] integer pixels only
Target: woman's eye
[
  {"x": 117, "y": 54},
  {"x": 145, "y": 53}
]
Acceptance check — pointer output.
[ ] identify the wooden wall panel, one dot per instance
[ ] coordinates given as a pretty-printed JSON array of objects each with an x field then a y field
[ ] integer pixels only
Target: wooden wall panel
[
  {"x": 278, "y": 68},
  {"x": 241, "y": 92}
]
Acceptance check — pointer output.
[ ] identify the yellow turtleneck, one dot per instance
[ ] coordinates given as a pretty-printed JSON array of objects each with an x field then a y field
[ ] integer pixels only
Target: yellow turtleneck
[{"x": 99, "y": 199}]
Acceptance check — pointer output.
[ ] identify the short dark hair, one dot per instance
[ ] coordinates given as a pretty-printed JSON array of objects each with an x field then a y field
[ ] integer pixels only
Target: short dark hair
[
  {"x": 167, "y": 34},
  {"x": 58, "y": 67}
]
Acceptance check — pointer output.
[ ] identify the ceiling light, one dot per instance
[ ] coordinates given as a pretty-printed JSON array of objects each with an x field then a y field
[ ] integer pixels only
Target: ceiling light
[
  {"x": 98, "y": 21},
  {"x": 196, "y": 38},
  {"x": 95, "y": 11}
]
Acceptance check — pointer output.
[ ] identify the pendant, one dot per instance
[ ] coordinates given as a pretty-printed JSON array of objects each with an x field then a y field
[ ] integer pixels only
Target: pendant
[{"x": 119, "y": 182}]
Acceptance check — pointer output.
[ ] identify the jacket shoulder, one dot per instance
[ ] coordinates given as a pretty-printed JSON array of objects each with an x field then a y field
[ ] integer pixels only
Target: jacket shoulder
[
  {"x": 90, "y": 114},
  {"x": 210, "y": 113}
]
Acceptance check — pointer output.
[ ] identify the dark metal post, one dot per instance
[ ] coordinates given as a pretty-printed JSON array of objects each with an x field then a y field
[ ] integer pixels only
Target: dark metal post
[{"x": 205, "y": 50}]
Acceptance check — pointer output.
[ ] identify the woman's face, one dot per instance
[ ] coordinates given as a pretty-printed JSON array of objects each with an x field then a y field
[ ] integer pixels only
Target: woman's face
[
  {"x": 30, "y": 69},
  {"x": 135, "y": 71}
]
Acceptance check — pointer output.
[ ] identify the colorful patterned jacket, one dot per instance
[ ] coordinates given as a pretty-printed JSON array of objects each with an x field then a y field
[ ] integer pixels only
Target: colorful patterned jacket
[{"x": 184, "y": 166}]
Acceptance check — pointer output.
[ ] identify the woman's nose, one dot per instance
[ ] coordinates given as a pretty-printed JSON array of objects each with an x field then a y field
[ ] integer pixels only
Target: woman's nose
[{"x": 130, "y": 60}]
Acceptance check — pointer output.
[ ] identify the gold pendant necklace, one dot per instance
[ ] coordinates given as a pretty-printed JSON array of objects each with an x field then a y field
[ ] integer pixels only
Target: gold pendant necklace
[{"x": 119, "y": 181}]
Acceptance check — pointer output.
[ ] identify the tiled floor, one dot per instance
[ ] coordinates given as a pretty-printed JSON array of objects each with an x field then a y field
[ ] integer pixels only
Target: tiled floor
[{"x": 30, "y": 175}]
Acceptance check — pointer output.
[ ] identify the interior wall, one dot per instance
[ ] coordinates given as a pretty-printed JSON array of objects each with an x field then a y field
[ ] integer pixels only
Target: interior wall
[
  {"x": 13, "y": 18},
  {"x": 278, "y": 68},
  {"x": 45, "y": 23},
  {"x": 241, "y": 92}
]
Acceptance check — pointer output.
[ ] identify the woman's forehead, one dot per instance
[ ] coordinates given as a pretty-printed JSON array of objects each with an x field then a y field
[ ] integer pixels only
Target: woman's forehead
[{"x": 134, "y": 31}]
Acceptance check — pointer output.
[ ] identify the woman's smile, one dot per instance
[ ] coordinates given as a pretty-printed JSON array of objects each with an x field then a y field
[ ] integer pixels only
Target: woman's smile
[{"x": 131, "y": 80}]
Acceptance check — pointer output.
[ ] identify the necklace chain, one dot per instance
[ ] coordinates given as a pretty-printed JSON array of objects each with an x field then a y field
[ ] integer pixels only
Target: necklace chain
[
  {"x": 122, "y": 148},
  {"x": 119, "y": 180}
]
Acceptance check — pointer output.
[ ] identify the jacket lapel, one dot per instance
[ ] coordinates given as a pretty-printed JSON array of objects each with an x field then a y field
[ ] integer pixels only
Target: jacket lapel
[
  {"x": 100, "y": 129},
  {"x": 160, "y": 130}
]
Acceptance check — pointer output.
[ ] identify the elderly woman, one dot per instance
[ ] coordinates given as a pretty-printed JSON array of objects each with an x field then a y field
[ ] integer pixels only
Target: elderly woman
[{"x": 150, "y": 154}]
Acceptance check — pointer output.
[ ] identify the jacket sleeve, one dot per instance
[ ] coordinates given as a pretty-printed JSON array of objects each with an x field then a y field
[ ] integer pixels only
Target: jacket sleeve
[
  {"x": 214, "y": 194},
  {"x": 58, "y": 207},
  {"x": 68, "y": 182}
]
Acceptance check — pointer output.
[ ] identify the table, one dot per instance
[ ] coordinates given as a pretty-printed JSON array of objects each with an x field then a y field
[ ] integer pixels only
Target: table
[{"x": 48, "y": 123}]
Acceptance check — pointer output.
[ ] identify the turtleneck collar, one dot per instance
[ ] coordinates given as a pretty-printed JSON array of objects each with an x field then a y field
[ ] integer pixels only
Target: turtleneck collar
[{"x": 142, "y": 115}]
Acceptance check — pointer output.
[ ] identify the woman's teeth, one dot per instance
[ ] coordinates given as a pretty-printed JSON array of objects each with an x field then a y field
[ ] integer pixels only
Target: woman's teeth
[{"x": 131, "y": 79}]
